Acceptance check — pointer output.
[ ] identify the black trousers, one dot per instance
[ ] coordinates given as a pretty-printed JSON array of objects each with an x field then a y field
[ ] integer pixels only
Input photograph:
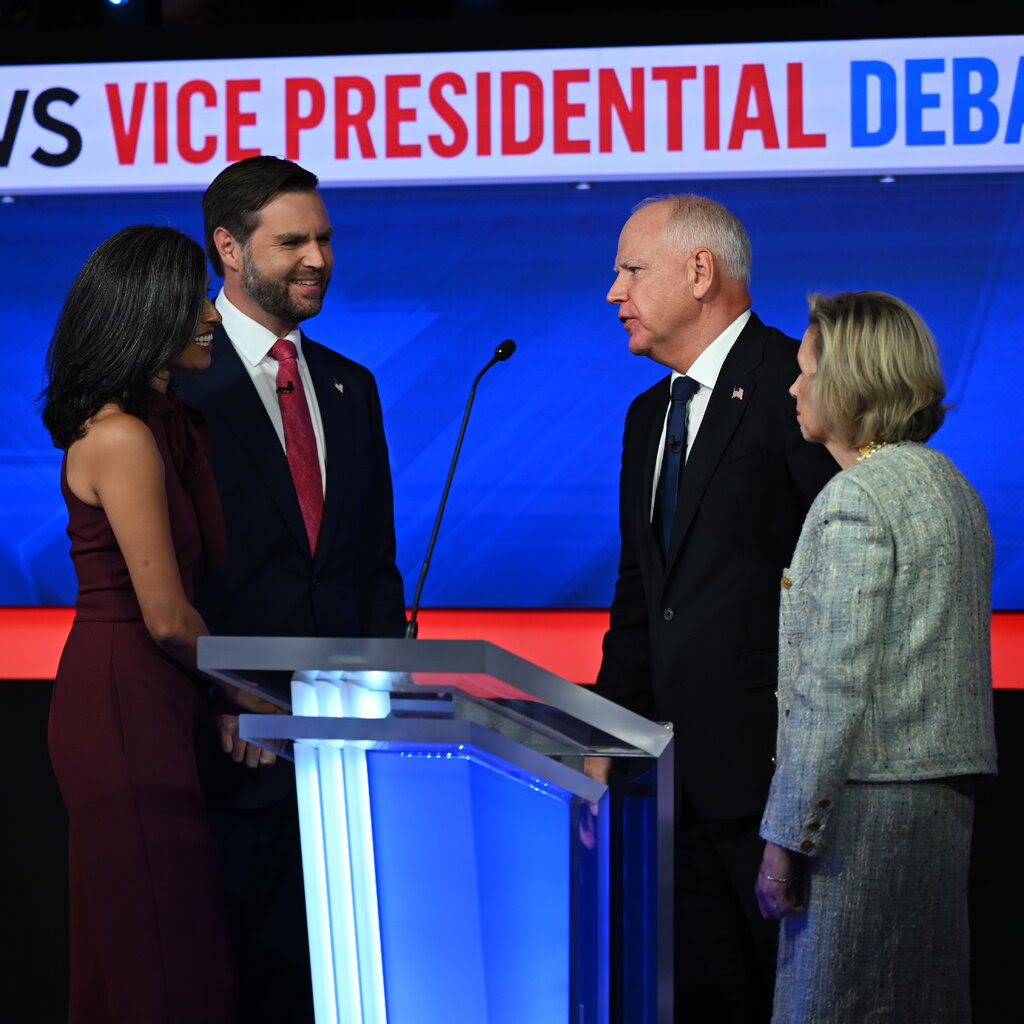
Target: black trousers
[
  {"x": 261, "y": 868},
  {"x": 724, "y": 950}
]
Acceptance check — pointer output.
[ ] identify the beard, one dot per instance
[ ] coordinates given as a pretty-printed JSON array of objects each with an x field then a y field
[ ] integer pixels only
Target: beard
[{"x": 273, "y": 296}]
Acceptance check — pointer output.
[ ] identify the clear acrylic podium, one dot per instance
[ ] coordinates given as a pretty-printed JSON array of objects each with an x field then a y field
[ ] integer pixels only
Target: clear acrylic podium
[{"x": 456, "y": 858}]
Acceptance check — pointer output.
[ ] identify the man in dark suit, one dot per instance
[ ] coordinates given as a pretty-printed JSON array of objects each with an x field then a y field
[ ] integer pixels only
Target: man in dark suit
[
  {"x": 298, "y": 450},
  {"x": 694, "y": 620}
]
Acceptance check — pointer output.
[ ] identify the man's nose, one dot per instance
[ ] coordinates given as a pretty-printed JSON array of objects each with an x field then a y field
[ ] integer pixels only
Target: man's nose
[
  {"x": 617, "y": 292},
  {"x": 313, "y": 255}
]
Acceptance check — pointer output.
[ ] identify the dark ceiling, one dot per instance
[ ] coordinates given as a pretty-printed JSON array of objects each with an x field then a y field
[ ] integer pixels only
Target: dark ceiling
[{"x": 35, "y": 31}]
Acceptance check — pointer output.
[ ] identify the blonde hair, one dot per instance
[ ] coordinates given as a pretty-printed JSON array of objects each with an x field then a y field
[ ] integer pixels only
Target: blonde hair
[
  {"x": 878, "y": 376},
  {"x": 698, "y": 221}
]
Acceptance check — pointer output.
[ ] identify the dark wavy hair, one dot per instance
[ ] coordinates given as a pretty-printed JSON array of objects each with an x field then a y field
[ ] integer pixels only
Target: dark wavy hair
[
  {"x": 236, "y": 196},
  {"x": 131, "y": 310}
]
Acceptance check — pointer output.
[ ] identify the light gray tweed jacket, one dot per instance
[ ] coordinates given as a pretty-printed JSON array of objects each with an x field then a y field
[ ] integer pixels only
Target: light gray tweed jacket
[{"x": 884, "y": 664}]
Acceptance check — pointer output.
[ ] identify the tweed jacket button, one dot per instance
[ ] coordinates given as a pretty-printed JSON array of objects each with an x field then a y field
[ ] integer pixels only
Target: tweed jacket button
[
  {"x": 824, "y": 803},
  {"x": 814, "y": 825},
  {"x": 807, "y": 846},
  {"x": 668, "y": 614},
  {"x": 787, "y": 582}
]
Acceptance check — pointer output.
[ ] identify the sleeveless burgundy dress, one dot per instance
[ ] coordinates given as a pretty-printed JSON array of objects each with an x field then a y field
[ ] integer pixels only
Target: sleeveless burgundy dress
[{"x": 148, "y": 939}]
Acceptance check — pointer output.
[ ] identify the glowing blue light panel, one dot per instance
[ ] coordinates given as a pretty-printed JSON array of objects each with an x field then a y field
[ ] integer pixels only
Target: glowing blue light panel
[
  {"x": 473, "y": 880},
  {"x": 443, "y": 882}
]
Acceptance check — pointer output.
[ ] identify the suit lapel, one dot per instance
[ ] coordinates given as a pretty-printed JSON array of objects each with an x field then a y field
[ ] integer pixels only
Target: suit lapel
[
  {"x": 242, "y": 412},
  {"x": 651, "y": 444},
  {"x": 335, "y": 403},
  {"x": 721, "y": 418}
]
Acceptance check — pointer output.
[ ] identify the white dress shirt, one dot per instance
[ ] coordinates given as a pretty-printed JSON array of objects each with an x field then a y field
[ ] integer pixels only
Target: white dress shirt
[
  {"x": 253, "y": 343},
  {"x": 705, "y": 370}
]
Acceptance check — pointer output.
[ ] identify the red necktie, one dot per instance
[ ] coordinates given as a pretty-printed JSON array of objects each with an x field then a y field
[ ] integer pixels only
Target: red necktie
[{"x": 299, "y": 440}]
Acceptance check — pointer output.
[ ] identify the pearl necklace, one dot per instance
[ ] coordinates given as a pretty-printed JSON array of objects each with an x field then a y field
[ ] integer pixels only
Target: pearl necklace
[{"x": 867, "y": 450}]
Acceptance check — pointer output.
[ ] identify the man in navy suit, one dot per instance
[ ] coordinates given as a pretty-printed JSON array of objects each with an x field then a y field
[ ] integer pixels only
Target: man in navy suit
[
  {"x": 694, "y": 620},
  {"x": 302, "y": 468}
]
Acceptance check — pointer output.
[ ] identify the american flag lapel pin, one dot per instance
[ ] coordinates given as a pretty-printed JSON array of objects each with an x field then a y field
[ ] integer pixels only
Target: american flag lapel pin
[
  {"x": 340, "y": 386},
  {"x": 737, "y": 392}
]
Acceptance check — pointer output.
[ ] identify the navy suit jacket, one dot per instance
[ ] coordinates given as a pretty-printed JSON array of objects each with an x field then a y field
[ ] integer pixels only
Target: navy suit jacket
[
  {"x": 693, "y": 638},
  {"x": 270, "y": 585}
]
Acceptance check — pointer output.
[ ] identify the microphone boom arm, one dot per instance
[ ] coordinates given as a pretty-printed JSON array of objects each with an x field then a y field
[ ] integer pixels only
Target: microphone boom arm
[{"x": 501, "y": 353}]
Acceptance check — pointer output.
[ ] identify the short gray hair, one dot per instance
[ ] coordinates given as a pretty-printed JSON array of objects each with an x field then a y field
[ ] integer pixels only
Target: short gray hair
[
  {"x": 878, "y": 376},
  {"x": 695, "y": 221}
]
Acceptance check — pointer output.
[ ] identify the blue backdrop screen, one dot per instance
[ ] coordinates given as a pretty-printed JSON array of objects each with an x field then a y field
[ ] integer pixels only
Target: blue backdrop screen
[{"x": 427, "y": 281}]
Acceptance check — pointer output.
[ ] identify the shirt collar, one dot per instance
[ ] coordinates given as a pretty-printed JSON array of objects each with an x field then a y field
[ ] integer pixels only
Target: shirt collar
[
  {"x": 252, "y": 341},
  {"x": 707, "y": 366}
]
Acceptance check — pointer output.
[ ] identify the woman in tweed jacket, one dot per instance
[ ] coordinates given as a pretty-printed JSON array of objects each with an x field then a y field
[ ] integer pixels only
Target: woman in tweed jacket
[{"x": 885, "y": 709}]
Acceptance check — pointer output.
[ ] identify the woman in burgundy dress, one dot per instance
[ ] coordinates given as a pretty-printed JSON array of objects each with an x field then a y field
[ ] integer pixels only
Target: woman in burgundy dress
[{"x": 148, "y": 939}]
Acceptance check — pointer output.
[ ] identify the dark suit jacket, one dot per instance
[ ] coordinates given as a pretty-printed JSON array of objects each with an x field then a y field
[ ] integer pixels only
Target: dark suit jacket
[
  {"x": 694, "y": 638},
  {"x": 270, "y": 586}
]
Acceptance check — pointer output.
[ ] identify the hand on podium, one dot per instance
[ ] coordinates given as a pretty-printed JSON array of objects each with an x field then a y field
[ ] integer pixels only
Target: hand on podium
[
  {"x": 227, "y": 728},
  {"x": 598, "y": 768}
]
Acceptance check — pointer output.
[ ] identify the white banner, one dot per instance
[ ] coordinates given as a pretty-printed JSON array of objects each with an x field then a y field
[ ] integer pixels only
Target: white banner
[{"x": 757, "y": 109}]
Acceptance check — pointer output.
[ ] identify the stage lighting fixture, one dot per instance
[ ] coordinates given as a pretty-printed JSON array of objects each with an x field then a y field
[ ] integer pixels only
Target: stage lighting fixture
[{"x": 129, "y": 13}]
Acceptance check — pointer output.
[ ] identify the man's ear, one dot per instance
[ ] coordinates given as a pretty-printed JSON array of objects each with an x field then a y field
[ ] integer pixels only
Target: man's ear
[
  {"x": 704, "y": 273},
  {"x": 228, "y": 249}
]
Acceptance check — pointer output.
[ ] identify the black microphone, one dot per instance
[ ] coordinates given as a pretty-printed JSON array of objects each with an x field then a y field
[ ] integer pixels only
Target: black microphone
[
  {"x": 287, "y": 390},
  {"x": 501, "y": 353}
]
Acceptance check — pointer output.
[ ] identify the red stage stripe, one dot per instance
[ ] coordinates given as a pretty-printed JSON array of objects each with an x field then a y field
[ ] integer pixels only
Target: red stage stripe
[
  {"x": 1008, "y": 650},
  {"x": 31, "y": 640},
  {"x": 566, "y": 642}
]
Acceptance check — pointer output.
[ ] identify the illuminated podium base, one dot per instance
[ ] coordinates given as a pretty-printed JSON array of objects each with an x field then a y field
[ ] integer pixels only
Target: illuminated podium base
[{"x": 454, "y": 871}]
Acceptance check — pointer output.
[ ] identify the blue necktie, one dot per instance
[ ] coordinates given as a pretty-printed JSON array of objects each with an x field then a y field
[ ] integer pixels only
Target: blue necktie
[{"x": 683, "y": 389}]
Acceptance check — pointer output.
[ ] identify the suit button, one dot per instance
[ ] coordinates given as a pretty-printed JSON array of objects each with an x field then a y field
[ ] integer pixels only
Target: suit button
[
  {"x": 824, "y": 803},
  {"x": 814, "y": 826},
  {"x": 807, "y": 846},
  {"x": 668, "y": 614},
  {"x": 786, "y": 582}
]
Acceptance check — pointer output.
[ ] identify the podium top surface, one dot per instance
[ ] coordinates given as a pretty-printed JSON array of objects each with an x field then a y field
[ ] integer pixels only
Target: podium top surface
[{"x": 470, "y": 679}]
